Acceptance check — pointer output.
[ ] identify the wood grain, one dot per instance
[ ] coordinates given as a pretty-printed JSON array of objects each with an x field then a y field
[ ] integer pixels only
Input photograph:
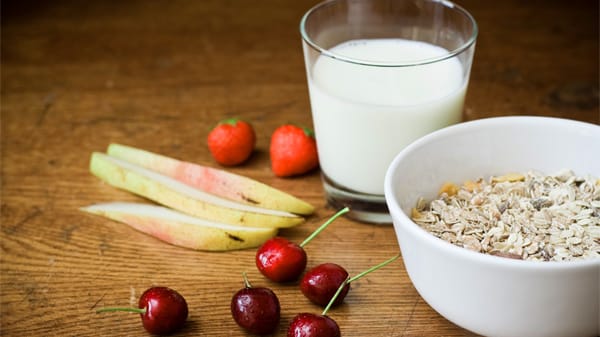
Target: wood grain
[{"x": 158, "y": 75}]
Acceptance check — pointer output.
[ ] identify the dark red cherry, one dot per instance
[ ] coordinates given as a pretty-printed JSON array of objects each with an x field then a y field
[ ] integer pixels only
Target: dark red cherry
[
  {"x": 255, "y": 309},
  {"x": 311, "y": 325},
  {"x": 321, "y": 282},
  {"x": 166, "y": 310},
  {"x": 163, "y": 310}
]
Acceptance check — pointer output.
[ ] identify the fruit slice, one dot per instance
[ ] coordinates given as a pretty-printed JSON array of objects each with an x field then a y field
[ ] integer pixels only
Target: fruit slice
[
  {"x": 177, "y": 195},
  {"x": 181, "y": 229},
  {"x": 219, "y": 182}
]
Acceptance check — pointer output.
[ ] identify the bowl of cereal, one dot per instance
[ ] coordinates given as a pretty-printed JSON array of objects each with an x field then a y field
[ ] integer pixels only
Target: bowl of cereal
[{"x": 498, "y": 221}]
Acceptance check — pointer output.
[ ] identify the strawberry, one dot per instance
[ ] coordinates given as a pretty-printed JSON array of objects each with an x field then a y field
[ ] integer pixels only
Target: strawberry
[
  {"x": 293, "y": 151},
  {"x": 231, "y": 142}
]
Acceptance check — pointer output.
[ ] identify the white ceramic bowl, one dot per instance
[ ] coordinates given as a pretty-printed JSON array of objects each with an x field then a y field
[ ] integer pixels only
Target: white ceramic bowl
[{"x": 491, "y": 295}]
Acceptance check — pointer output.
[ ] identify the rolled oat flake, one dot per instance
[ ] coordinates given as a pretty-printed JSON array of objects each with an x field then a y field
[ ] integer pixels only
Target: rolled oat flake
[{"x": 528, "y": 216}]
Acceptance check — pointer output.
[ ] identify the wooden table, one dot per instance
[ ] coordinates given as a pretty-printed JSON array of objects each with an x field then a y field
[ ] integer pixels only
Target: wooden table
[{"x": 77, "y": 75}]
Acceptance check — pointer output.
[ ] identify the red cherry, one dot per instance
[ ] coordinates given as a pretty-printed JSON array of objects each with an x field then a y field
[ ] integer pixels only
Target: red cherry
[
  {"x": 280, "y": 260},
  {"x": 255, "y": 309},
  {"x": 163, "y": 310},
  {"x": 321, "y": 282},
  {"x": 166, "y": 310},
  {"x": 311, "y": 325}
]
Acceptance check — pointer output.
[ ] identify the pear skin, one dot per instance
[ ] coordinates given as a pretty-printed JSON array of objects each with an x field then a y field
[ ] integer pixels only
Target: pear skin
[
  {"x": 211, "y": 180},
  {"x": 180, "y": 229},
  {"x": 184, "y": 198}
]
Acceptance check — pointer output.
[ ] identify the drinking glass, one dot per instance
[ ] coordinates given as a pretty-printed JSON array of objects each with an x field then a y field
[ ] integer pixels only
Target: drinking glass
[{"x": 381, "y": 73}]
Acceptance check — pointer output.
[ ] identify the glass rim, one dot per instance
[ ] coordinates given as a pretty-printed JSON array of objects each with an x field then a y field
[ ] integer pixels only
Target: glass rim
[{"x": 448, "y": 55}]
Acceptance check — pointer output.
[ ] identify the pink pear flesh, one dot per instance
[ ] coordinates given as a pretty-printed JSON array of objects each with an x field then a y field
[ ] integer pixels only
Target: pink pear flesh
[
  {"x": 180, "y": 229},
  {"x": 184, "y": 198},
  {"x": 219, "y": 182}
]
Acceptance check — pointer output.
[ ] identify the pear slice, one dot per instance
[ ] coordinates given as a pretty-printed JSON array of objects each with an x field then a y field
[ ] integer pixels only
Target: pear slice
[
  {"x": 181, "y": 229},
  {"x": 184, "y": 198},
  {"x": 219, "y": 182}
]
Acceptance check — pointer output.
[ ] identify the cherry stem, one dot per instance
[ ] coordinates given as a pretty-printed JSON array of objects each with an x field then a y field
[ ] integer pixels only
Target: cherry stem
[
  {"x": 113, "y": 309},
  {"x": 339, "y": 290},
  {"x": 323, "y": 226},
  {"x": 246, "y": 282},
  {"x": 354, "y": 278}
]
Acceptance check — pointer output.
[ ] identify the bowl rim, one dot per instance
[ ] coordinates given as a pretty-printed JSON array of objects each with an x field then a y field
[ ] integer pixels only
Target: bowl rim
[{"x": 449, "y": 248}]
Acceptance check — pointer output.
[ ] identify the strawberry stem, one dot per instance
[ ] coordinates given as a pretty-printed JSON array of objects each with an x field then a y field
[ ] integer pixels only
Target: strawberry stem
[
  {"x": 230, "y": 121},
  {"x": 323, "y": 226},
  {"x": 308, "y": 132},
  {"x": 113, "y": 309},
  {"x": 354, "y": 278}
]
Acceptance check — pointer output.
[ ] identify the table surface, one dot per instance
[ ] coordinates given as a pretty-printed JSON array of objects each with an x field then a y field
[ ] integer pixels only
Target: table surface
[{"x": 78, "y": 75}]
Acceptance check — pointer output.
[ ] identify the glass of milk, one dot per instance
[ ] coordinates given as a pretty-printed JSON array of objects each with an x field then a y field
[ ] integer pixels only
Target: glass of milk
[{"x": 381, "y": 73}]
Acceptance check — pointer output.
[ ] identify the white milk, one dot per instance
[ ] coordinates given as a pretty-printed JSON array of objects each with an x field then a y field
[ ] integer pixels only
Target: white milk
[{"x": 364, "y": 115}]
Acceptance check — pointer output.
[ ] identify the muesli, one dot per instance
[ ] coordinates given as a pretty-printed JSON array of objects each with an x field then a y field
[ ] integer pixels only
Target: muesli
[{"x": 529, "y": 216}]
